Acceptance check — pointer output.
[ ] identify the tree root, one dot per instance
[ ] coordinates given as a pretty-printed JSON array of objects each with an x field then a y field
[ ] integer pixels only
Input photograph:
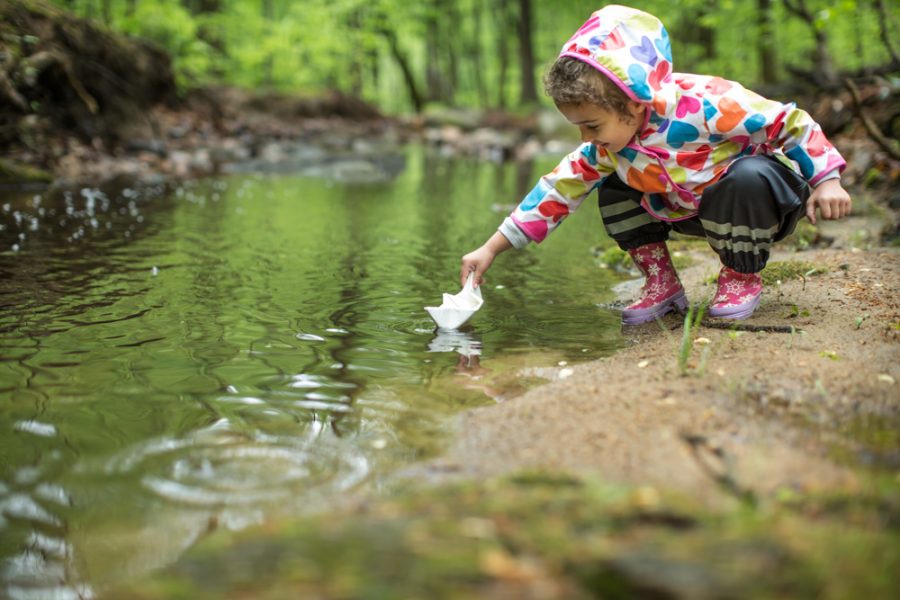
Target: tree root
[
  {"x": 41, "y": 60},
  {"x": 8, "y": 90},
  {"x": 870, "y": 126}
]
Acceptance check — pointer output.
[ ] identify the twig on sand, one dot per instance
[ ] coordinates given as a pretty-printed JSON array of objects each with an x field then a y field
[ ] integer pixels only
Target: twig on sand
[
  {"x": 742, "y": 327},
  {"x": 748, "y": 327},
  {"x": 705, "y": 454}
]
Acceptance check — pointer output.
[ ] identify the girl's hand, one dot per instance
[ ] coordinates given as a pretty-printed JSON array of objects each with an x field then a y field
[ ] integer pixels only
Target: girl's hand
[
  {"x": 831, "y": 199},
  {"x": 479, "y": 261}
]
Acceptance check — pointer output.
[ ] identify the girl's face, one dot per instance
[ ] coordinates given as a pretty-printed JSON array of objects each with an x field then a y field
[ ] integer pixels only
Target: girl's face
[{"x": 605, "y": 128}]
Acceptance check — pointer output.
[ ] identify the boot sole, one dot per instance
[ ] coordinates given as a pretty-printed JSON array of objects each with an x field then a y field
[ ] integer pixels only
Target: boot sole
[
  {"x": 645, "y": 315},
  {"x": 736, "y": 313}
]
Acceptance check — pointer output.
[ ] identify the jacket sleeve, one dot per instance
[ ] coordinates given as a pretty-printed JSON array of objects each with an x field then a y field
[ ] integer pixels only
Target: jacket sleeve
[
  {"x": 745, "y": 117},
  {"x": 556, "y": 195}
]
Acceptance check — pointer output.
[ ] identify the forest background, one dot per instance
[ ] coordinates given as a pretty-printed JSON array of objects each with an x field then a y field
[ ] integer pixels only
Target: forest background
[{"x": 487, "y": 54}]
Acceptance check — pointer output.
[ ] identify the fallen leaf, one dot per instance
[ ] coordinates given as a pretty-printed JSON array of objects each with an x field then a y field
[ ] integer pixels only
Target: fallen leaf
[
  {"x": 645, "y": 497},
  {"x": 499, "y": 563},
  {"x": 477, "y": 527}
]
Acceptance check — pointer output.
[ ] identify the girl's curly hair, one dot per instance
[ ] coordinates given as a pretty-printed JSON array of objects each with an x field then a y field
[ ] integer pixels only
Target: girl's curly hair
[{"x": 572, "y": 81}]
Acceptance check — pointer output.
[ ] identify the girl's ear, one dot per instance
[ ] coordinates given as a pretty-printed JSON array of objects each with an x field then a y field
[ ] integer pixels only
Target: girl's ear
[{"x": 637, "y": 110}]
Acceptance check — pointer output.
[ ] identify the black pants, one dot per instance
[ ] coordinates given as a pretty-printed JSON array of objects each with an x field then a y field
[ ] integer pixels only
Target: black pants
[{"x": 757, "y": 202}]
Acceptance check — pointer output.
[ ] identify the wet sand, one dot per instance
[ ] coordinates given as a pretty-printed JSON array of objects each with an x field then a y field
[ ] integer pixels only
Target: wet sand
[{"x": 757, "y": 412}]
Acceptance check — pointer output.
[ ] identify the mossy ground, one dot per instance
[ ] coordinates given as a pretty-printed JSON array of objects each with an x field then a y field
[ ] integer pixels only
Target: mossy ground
[{"x": 538, "y": 535}]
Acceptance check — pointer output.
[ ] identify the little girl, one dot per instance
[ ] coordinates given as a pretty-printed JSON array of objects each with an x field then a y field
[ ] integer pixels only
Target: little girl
[{"x": 698, "y": 154}]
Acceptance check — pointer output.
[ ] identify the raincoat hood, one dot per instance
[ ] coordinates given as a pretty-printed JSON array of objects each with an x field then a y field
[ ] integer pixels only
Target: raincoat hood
[{"x": 630, "y": 47}]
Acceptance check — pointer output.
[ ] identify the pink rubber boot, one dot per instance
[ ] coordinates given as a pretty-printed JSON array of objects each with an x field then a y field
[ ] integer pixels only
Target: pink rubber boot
[
  {"x": 737, "y": 295},
  {"x": 662, "y": 291}
]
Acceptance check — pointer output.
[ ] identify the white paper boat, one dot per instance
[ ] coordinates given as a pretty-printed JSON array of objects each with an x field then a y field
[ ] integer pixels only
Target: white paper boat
[{"x": 457, "y": 309}]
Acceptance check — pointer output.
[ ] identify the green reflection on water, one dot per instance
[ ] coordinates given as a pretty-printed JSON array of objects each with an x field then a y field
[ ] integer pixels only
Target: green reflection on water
[{"x": 256, "y": 344}]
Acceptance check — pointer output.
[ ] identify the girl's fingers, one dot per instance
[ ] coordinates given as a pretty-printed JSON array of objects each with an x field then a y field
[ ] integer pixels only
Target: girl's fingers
[
  {"x": 464, "y": 273},
  {"x": 476, "y": 280}
]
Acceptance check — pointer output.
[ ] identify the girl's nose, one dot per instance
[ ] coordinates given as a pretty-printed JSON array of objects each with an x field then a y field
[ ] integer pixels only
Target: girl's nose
[{"x": 586, "y": 136}]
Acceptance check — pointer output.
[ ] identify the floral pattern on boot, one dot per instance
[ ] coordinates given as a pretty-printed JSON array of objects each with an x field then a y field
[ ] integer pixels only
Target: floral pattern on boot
[
  {"x": 662, "y": 291},
  {"x": 737, "y": 295}
]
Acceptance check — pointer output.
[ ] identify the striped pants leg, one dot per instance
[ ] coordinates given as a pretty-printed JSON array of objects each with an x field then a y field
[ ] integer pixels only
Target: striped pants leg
[{"x": 757, "y": 202}]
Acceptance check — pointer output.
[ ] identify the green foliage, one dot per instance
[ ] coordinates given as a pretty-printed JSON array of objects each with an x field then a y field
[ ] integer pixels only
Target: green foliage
[
  {"x": 615, "y": 258},
  {"x": 692, "y": 321},
  {"x": 780, "y": 271},
  {"x": 459, "y": 52},
  {"x": 175, "y": 29}
]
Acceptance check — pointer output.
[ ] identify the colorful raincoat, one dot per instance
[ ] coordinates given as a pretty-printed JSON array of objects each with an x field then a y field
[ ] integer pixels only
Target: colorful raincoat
[{"x": 695, "y": 126}]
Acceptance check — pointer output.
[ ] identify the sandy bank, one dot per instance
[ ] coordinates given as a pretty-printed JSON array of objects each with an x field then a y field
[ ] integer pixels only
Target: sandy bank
[{"x": 755, "y": 413}]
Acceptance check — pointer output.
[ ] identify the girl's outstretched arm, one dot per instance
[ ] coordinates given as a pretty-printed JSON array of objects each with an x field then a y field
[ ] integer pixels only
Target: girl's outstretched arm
[{"x": 479, "y": 261}]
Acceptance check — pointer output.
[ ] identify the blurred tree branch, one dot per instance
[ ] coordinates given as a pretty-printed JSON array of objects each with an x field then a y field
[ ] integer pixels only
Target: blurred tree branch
[
  {"x": 872, "y": 129},
  {"x": 824, "y": 73},
  {"x": 884, "y": 24}
]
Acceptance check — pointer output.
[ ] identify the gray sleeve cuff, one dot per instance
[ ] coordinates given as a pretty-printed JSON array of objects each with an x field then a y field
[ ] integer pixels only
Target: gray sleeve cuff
[
  {"x": 511, "y": 232},
  {"x": 833, "y": 174}
]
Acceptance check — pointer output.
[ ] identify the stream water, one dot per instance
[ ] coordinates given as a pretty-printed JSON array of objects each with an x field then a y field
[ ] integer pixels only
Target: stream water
[{"x": 176, "y": 360}]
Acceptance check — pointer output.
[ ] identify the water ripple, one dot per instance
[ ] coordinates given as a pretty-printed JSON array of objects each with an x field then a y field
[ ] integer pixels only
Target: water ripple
[{"x": 221, "y": 466}]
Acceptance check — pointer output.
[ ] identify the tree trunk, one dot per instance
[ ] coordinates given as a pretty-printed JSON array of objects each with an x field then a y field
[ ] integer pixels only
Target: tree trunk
[
  {"x": 415, "y": 96},
  {"x": 766, "y": 43},
  {"x": 502, "y": 14},
  {"x": 824, "y": 71},
  {"x": 433, "y": 78},
  {"x": 477, "y": 59},
  {"x": 268, "y": 11},
  {"x": 706, "y": 35},
  {"x": 528, "y": 90},
  {"x": 884, "y": 24},
  {"x": 451, "y": 42},
  {"x": 355, "y": 69},
  {"x": 209, "y": 6},
  {"x": 199, "y": 7}
]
